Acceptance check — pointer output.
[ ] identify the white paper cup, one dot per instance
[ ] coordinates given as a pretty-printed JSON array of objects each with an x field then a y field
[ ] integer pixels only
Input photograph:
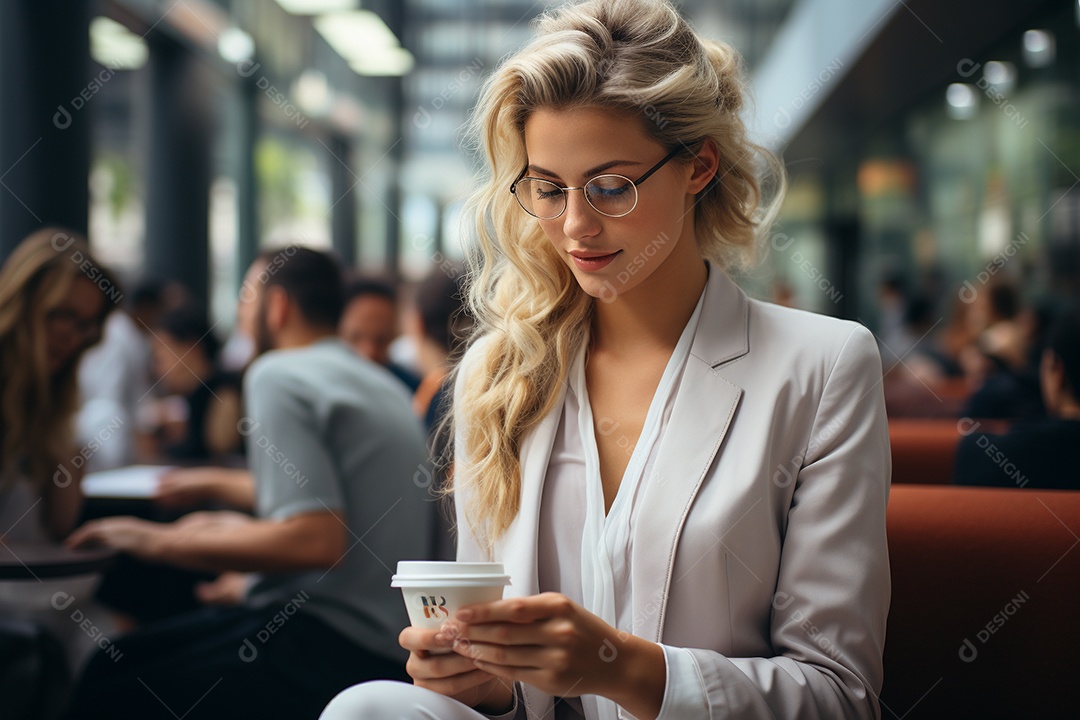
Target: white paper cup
[{"x": 434, "y": 591}]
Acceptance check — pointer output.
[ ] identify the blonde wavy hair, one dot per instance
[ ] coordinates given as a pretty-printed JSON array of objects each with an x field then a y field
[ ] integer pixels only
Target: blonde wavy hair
[
  {"x": 636, "y": 57},
  {"x": 37, "y": 406}
]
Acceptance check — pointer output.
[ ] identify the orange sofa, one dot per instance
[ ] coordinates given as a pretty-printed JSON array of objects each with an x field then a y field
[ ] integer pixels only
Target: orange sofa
[
  {"x": 985, "y": 617},
  {"x": 924, "y": 450}
]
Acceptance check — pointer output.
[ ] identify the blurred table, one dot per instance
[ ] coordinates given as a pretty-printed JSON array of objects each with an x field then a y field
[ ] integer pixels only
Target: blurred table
[{"x": 37, "y": 562}]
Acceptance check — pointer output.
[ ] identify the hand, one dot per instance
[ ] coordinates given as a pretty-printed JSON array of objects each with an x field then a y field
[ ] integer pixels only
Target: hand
[
  {"x": 451, "y": 674},
  {"x": 141, "y": 538},
  {"x": 552, "y": 643},
  {"x": 197, "y": 521},
  {"x": 229, "y": 588},
  {"x": 193, "y": 486},
  {"x": 185, "y": 487}
]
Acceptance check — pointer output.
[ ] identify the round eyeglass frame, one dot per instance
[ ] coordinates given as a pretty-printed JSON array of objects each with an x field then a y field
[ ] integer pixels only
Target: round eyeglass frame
[{"x": 566, "y": 190}]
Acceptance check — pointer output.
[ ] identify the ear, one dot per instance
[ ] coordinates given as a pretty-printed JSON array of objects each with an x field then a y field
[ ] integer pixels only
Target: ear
[
  {"x": 277, "y": 308},
  {"x": 706, "y": 166},
  {"x": 1051, "y": 378}
]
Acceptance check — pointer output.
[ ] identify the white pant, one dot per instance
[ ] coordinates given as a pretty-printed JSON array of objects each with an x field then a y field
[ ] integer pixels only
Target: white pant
[{"x": 380, "y": 699}]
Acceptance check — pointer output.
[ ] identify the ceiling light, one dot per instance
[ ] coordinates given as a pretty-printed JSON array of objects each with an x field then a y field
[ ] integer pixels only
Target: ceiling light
[
  {"x": 115, "y": 46},
  {"x": 1039, "y": 48},
  {"x": 235, "y": 45},
  {"x": 316, "y": 7},
  {"x": 366, "y": 43},
  {"x": 1001, "y": 76},
  {"x": 312, "y": 93},
  {"x": 385, "y": 62},
  {"x": 961, "y": 101}
]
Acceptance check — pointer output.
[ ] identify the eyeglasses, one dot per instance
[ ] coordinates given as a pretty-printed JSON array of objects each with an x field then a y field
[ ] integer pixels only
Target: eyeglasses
[
  {"x": 609, "y": 194},
  {"x": 69, "y": 322}
]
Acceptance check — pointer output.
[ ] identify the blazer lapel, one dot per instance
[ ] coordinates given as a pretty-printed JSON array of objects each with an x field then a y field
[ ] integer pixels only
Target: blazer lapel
[
  {"x": 520, "y": 543},
  {"x": 704, "y": 407}
]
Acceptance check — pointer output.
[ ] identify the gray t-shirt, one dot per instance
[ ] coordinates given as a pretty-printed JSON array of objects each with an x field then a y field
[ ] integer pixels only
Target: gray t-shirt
[{"x": 328, "y": 430}]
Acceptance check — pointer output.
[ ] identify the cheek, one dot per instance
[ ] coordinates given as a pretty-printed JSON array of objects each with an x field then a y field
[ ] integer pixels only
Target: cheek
[{"x": 552, "y": 231}]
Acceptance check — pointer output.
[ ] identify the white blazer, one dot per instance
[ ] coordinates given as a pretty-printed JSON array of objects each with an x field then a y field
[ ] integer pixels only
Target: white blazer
[{"x": 760, "y": 563}]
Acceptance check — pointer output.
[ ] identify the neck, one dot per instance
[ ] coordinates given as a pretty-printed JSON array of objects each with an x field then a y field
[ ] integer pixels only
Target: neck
[
  {"x": 198, "y": 370},
  {"x": 1069, "y": 409},
  {"x": 298, "y": 336},
  {"x": 655, "y": 312},
  {"x": 430, "y": 357}
]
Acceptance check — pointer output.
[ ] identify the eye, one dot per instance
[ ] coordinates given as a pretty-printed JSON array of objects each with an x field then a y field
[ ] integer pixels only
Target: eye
[
  {"x": 612, "y": 192},
  {"x": 544, "y": 194}
]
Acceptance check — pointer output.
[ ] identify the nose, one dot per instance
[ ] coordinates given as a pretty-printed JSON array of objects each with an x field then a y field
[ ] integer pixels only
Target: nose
[{"x": 580, "y": 219}]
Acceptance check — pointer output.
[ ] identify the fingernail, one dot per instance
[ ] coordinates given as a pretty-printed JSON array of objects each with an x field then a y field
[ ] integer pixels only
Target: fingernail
[{"x": 465, "y": 614}]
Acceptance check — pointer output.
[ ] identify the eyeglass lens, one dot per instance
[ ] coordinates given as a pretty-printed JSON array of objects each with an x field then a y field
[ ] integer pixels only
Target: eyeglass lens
[{"x": 612, "y": 195}]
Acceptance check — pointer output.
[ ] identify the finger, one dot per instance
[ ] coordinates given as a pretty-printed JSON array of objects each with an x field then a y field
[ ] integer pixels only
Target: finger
[
  {"x": 438, "y": 667},
  {"x": 519, "y": 610},
  {"x": 416, "y": 639},
  {"x": 517, "y": 656},
  {"x": 456, "y": 684},
  {"x": 534, "y": 633},
  {"x": 82, "y": 536}
]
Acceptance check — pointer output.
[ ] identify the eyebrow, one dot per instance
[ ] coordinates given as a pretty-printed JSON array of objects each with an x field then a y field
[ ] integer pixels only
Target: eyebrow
[{"x": 591, "y": 172}]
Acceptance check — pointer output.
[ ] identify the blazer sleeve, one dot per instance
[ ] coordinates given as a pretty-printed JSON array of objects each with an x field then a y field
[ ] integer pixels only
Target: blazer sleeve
[{"x": 832, "y": 596}]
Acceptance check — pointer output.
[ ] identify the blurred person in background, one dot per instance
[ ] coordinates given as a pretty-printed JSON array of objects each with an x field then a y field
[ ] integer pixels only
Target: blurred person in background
[
  {"x": 239, "y": 349},
  {"x": 54, "y": 301},
  {"x": 1035, "y": 453},
  {"x": 190, "y": 487},
  {"x": 369, "y": 325},
  {"x": 1007, "y": 384},
  {"x": 439, "y": 325},
  {"x": 197, "y": 419},
  {"x": 893, "y": 337},
  {"x": 114, "y": 381},
  {"x": 334, "y": 450}
]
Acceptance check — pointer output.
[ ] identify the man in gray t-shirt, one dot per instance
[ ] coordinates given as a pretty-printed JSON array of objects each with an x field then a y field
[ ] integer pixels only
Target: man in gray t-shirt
[
  {"x": 332, "y": 433},
  {"x": 339, "y": 469}
]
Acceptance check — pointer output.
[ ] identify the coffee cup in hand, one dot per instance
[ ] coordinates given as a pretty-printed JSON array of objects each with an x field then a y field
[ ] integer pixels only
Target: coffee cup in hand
[{"x": 434, "y": 591}]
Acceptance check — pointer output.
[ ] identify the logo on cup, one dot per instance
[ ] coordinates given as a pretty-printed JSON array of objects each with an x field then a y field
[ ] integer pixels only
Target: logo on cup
[{"x": 434, "y": 606}]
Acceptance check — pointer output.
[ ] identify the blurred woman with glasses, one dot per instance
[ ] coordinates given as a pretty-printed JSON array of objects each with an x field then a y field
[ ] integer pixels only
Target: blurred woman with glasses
[
  {"x": 54, "y": 298},
  {"x": 687, "y": 486}
]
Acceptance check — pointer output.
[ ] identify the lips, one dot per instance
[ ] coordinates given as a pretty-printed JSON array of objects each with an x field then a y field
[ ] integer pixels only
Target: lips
[{"x": 591, "y": 261}]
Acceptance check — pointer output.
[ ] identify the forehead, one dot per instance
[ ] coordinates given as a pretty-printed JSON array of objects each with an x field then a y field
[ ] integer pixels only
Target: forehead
[
  {"x": 370, "y": 304},
  {"x": 83, "y": 297},
  {"x": 570, "y": 140}
]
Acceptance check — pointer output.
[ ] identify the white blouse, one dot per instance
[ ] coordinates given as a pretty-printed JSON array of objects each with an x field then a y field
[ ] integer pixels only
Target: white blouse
[{"x": 583, "y": 553}]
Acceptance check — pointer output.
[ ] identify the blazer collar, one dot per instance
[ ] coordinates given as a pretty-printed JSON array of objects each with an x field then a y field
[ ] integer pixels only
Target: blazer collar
[{"x": 724, "y": 328}]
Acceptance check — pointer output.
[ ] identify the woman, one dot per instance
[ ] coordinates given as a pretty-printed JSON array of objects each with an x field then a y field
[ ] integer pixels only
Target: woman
[
  {"x": 199, "y": 416},
  {"x": 54, "y": 298},
  {"x": 687, "y": 487}
]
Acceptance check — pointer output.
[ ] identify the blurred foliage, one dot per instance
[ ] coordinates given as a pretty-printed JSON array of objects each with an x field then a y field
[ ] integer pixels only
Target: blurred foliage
[{"x": 122, "y": 181}]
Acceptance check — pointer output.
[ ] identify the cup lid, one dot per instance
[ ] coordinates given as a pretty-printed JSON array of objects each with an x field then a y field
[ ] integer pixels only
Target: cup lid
[
  {"x": 448, "y": 581},
  {"x": 448, "y": 568}
]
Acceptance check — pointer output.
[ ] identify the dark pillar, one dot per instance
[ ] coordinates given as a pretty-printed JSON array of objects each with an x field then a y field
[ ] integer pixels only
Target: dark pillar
[
  {"x": 178, "y": 169},
  {"x": 343, "y": 214},
  {"x": 247, "y": 246},
  {"x": 395, "y": 97},
  {"x": 46, "y": 97},
  {"x": 393, "y": 14},
  {"x": 842, "y": 241},
  {"x": 439, "y": 244}
]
